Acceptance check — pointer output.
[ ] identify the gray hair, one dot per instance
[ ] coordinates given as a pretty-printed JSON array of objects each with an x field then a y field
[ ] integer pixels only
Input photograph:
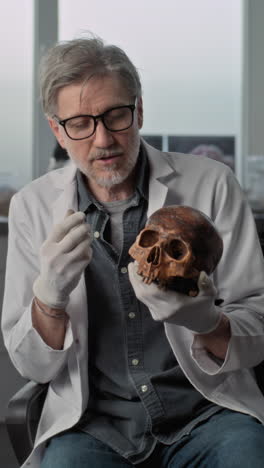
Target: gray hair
[{"x": 76, "y": 61}]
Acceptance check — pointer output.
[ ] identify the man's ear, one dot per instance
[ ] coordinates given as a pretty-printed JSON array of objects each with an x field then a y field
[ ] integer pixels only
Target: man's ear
[
  {"x": 56, "y": 130},
  {"x": 140, "y": 112}
]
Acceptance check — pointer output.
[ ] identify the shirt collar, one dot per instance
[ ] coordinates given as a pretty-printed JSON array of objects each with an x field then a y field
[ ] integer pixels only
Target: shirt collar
[
  {"x": 85, "y": 198},
  {"x": 142, "y": 173}
]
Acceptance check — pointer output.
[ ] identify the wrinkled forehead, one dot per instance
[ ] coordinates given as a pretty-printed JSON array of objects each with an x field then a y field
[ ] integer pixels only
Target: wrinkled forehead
[
  {"x": 103, "y": 83},
  {"x": 93, "y": 95}
]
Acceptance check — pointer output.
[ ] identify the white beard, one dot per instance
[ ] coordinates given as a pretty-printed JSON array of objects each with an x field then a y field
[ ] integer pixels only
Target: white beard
[{"x": 115, "y": 176}]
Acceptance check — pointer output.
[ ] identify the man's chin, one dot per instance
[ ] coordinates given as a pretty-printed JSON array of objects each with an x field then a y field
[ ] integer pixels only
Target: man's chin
[
  {"x": 109, "y": 181},
  {"x": 107, "y": 177}
]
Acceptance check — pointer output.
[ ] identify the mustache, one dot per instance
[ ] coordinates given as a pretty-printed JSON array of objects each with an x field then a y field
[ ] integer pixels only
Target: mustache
[{"x": 99, "y": 154}]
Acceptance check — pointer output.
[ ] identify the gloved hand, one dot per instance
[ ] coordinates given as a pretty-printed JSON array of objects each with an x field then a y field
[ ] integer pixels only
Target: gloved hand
[
  {"x": 199, "y": 313},
  {"x": 63, "y": 258}
]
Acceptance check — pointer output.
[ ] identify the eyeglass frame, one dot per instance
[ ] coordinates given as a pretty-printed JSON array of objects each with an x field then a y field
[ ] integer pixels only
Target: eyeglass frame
[{"x": 96, "y": 118}]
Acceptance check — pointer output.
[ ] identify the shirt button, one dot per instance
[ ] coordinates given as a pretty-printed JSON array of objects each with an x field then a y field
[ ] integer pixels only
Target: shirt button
[
  {"x": 131, "y": 315},
  {"x": 96, "y": 234},
  {"x": 144, "y": 388},
  {"x": 123, "y": 270},
  {"x": 135, "y": 362}
]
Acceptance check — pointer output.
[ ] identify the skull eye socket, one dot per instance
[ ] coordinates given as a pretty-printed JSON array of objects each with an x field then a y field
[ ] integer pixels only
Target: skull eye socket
[
  {"x": 176, "y": 249},
  {"x": 148, "y": 238}
]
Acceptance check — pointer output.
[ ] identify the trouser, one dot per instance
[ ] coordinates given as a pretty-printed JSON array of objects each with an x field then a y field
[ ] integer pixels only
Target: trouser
[{"x": 227, "y": 439}]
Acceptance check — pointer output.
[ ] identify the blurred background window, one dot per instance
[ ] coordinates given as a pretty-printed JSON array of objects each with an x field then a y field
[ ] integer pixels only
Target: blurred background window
[{"x": 189, "y": 58}]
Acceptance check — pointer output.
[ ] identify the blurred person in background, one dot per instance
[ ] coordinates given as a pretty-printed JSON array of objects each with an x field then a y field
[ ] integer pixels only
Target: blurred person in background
[
  {"x": 213, "y": 152},
  {"x": 59, "y": 158}
]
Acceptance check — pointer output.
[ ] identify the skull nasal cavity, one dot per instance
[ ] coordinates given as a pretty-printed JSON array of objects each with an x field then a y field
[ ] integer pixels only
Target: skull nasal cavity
[
  {"x": 154, "y": 256},
  {"x": 176, "y": 249},
  {"x": 148, "y": 238}
]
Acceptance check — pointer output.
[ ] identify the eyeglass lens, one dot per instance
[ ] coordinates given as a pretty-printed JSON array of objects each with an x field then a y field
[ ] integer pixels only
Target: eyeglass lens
[{"x": 114, "y": 120}]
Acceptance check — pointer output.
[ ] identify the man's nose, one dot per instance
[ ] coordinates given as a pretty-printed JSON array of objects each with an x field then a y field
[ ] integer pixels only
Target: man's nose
[{"x": 102, "y": 137}]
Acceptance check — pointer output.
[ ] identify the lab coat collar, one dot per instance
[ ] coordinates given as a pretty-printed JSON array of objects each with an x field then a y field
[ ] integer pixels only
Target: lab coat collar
[{"x": 161, "y": 172}]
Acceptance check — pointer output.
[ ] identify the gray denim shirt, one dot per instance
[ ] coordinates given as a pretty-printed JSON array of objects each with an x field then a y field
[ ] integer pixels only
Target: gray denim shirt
[{"x": 138, "y": 393}]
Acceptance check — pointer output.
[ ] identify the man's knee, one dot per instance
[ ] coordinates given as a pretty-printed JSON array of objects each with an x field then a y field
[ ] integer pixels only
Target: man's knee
[
  {"x": 241, "y": 448},
  {"x": 80, "y": 450}
]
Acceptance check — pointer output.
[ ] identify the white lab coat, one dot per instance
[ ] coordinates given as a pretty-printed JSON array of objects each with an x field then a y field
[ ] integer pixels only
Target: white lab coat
[{"x": 174, "y": 179}]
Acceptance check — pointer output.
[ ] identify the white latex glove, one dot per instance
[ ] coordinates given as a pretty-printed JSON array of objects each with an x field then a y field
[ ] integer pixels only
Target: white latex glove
[
  {"x": 63, "y": 258},
  {"x": 199, "y": 313}
]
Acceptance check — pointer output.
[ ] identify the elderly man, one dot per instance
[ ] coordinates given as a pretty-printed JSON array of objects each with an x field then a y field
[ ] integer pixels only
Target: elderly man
[{"x": 134, "y": 377}]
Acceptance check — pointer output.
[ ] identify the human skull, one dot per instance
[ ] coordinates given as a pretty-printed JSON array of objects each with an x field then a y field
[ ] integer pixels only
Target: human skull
[{"x": 177, "y": 243}]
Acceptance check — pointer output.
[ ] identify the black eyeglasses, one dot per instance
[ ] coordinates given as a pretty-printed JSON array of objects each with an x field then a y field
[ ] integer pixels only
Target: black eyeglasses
[{"x": 83, "y": 126}]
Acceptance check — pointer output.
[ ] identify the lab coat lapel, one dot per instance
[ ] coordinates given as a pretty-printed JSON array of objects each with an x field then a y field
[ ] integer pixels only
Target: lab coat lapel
[
  {"x": 162, "y": 176},
  {"x": 77, "y": 306},
  {"x": 65, "y": 181}
]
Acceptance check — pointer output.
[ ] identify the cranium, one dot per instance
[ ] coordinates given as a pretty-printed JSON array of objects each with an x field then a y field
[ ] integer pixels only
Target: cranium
[{"x": 177, "y": 243}]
